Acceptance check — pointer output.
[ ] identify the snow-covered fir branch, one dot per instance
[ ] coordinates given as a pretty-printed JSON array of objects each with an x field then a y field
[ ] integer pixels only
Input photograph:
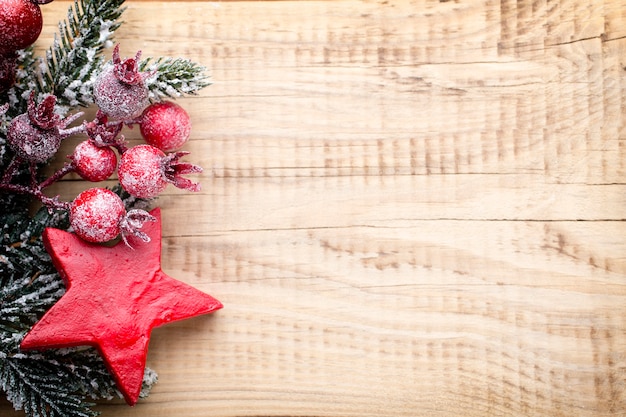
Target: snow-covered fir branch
[
  {"x": 71, "y": 63},
  {"x": 174, "y": 77}
]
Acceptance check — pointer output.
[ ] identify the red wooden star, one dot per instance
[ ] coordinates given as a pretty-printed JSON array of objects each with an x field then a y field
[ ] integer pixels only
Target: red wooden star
[{"x": 115, "y": 297}]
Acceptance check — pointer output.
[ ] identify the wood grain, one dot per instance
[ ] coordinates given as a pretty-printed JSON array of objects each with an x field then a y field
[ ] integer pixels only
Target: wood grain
[{"x": 409, "y": 208}]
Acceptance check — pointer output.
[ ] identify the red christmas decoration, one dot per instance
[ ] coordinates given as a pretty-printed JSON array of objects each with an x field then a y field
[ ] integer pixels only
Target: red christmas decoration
[
  {"x": 115, "y": 297},
  {"x": 165, "y": 125}
]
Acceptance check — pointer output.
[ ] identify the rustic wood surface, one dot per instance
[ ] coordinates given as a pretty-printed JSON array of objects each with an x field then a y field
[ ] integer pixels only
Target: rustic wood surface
[{"x": 409, "y": 208}]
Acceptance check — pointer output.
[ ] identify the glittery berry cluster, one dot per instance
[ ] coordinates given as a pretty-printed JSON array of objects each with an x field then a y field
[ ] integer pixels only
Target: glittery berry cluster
[{"x": 121, "y": 93}]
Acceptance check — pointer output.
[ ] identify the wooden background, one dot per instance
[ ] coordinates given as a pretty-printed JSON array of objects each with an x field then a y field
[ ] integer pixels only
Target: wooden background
[{"x": 409, "y": 208}]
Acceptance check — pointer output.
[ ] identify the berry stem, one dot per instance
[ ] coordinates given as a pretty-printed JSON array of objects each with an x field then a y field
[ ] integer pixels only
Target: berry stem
[
  {"x": 35, "y": 189},
  {"x": 73, "y": 130},
  {"x": 49, "y": 202},
  {"x": 67, "y": 168},
  {"x": 33, "y": 176},
  {"x": 11, "y": 170}
]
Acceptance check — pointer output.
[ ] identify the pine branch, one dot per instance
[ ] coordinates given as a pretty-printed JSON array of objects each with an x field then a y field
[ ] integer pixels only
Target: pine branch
[
  {"x": 29, "y": 283},
  {"x": 25, "y": 81},
  {"x": 23, "y": 302},
  {"x": 89, "y": 375},
  {"x": 72, "y": 61},
  {"x": 74, "y": 57},
  {"x": 40, "y": 388},
  {"x": 175, "y": 77}
]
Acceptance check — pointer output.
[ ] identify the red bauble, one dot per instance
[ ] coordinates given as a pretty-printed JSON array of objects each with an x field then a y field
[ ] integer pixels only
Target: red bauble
[
  {"x": 115, "y": 297},
  {"x": 30, "y": 142},
  {"x": 120, "y": 91},
  {"x": 94, "y": 163},
  {"x": 141, "y": 171},
  {"x": 96, "y": 215},
  {"x": 20, "y": 24},
  {"x": 36, "y": 135},
  {"x": 145, "y": 171},
  {"x": 165, "y": 125}
]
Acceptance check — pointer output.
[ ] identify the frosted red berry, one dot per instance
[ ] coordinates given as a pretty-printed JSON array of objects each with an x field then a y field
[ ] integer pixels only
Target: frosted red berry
[
  {"x": 141, "y": 171},
  {"x": 96, "y": 215},
  {"x": 165, "y": 125},
  {"x": 120, "y": 90},
  {"x": 30, "y": 142},
  {"x": 145, "y": 171},
  {"x": 20, "y": 24},
  {"x": 35, "y": 136},
  {"x": 92, "y": 162}
]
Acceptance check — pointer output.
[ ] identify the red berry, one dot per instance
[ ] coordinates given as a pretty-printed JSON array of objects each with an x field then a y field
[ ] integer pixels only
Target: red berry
[
  {"x": 36, "y": 135},
  {"x": 165, "y": 125},
  {"x": 20, "y": 24},
  {"x": 92, "y": 162},
  {"x": 141, "y": 171},
  {"x": 145, "y": 171},
  {"x": 30, "y": 142},
  {"x": 96, "y": 214},
  {"x": 120, "y": 90}
]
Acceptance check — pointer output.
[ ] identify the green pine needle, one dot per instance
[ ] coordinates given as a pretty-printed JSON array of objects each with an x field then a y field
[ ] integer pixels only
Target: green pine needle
[
  {"x": 174, "y": 77},
  {"x": 71, "y": 63},
  {"x": 75, "y": 56},
  {"x": 40, "y": 388}
]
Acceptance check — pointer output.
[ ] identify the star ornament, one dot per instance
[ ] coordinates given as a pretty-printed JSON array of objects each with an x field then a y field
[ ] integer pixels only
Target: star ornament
[{"x": 115, "y": 297}]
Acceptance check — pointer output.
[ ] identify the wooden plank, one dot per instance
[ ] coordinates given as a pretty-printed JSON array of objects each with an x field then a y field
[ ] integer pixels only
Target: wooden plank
[{"x": 409, "y": 208}]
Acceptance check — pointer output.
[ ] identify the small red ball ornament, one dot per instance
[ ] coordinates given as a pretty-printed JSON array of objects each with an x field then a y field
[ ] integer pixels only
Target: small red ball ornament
[
  {"x": 20, "y": 24},
  {"x": 141, "y": 171},
  {"x": 165, "y": 125},
  {"x": 96, "y": 214},
  {"x": 94, "y": 163},
  {"x": 120, "y": 91}
]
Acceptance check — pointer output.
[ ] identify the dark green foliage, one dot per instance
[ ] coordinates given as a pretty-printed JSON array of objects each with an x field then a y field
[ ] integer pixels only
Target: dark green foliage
[
  {"x": 29, "y": 285},
  {"x": 40, "y": 388}
]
